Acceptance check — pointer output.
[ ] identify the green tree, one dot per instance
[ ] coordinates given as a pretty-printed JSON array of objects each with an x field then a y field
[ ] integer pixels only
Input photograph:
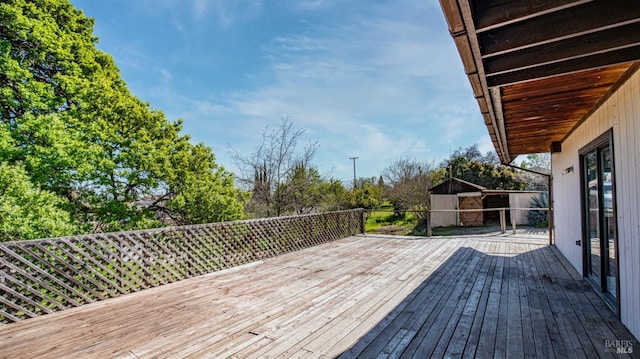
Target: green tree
[
  {"x": 27, "y": 212},
  {"x": 538, "y": 162},
  {"x": 408, "y": 182},
  {"x": 333, "y": 198},
  {"x": 302, "y": 191},
  {"x": 69, "y": 119},
  {"x": 367, "y": 194},
  {"x": 47, "y": 57},
  {"x": 271, "y": 165},
  {"x": 470, "y": 165},
  {"x": 200, "y": 191}
]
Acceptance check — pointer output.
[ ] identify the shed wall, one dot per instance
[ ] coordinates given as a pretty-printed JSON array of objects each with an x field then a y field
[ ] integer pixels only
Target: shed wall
[
  {"x": 446, "y": 202},
  {"x": 521, "y": 200},
  {"x": 621, "y": 112}
]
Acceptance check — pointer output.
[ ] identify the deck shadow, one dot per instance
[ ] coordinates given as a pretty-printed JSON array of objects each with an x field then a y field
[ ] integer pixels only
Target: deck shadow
[{"x": 533, "y": 304}]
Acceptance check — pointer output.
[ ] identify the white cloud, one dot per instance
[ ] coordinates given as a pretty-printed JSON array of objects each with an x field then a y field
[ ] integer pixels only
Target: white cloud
[
  {"x": 165, "y": 74},
  {"x": 378, "y": 87},
  {"x": 228, "y": 12},
  {"x": 311, "y": 4},
  {"x": 199, "y": 8},
  {"x": 382, "y": 83}
]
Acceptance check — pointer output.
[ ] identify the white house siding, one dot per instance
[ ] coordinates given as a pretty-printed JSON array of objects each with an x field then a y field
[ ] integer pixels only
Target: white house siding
[
  {"x": 621, "y": 112},
  {"x": 444, "y": 201}
]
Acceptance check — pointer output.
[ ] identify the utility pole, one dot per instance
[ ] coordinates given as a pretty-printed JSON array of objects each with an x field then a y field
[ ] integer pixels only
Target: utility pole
[{"x": 354, "y": 170}]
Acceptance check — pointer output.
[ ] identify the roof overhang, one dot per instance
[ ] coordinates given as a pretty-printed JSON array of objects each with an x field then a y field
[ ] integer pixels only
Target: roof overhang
[{"x": 539, "y": 68}]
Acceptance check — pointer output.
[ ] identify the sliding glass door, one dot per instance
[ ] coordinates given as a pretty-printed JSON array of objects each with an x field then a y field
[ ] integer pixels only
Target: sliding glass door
[{"x": 599, "y": 217}]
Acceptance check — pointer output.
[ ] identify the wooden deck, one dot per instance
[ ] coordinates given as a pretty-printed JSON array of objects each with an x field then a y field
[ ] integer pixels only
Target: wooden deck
[{"x": 363, "y": 296}]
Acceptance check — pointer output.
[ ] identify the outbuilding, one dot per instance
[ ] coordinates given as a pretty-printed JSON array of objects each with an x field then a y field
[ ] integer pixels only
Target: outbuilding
[{"x": 478, "y": 205}]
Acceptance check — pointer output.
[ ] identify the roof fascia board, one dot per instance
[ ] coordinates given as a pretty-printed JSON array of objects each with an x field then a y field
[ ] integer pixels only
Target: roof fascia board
[{"x": 497, "y": 122}]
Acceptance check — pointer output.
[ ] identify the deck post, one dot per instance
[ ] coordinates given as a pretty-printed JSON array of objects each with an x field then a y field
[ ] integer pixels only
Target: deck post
[
  {"x": 503, "y": 225},
  {"x": 428, "y": 217},
  {"x": 513, "y": 220},
  {"x": 362, "y": 221}
]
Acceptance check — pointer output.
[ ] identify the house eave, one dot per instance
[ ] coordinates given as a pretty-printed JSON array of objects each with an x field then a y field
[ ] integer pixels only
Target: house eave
[{"x": 523, "y": 79}]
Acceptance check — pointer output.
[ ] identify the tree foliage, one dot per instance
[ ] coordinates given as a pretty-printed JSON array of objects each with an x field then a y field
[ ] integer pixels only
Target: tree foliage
[
  {"x": 27, "y": 212},
  {"x": 302, "y": 192},
  {"x": 367, "y": 194},
  {"x": 470, "y": 165},
  {"x": 69, "y": 120},
  {"x": 274, "y": 162},
  {"x": 200, "y": 191},
  {"x": 333, "y": 195},
  {"x": 539, "y": 162},
  {"x": 408, "y": 182}
]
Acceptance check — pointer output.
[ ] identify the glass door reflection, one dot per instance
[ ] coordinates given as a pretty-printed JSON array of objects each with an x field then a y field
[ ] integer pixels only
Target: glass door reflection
[
  {"x": 609, "y": 224},
  {"x": 593, "y": 222},
  {"x": 600, "y": 220}
]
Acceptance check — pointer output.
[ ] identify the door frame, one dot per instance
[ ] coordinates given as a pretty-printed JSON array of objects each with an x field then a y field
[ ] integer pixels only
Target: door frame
[{"x": 602, "y": 141}]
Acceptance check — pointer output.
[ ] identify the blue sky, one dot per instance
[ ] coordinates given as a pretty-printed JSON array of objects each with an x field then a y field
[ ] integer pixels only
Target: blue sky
[{"x": 375, "y": 79}]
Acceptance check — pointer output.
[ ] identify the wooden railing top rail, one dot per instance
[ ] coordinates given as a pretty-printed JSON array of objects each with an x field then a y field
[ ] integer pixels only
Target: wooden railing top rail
[
  {"x": 463, "y": 210},
  {"x": 187, "y": 227},
  {"x": 47, "y": 275}
]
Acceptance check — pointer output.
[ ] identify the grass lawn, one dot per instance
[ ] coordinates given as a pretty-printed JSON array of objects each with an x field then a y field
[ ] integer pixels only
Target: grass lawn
[{"x": 383, "y": 219}]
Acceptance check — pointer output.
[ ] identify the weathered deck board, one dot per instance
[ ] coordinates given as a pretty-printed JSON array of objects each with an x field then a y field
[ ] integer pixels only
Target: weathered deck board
[{"x": 365, "y": 296}]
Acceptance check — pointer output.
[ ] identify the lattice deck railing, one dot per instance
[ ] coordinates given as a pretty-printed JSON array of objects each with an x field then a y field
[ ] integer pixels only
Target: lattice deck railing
[{"x": 48, "y": 275}]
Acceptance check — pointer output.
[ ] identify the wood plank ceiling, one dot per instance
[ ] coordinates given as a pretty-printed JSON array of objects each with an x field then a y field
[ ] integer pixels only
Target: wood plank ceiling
[{"x": 538, "y": 68}]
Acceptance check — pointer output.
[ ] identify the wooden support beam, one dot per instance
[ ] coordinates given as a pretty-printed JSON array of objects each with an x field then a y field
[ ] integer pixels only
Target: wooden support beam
[
  {"x": 590, "y": 17},
  {"x": 572, "y": 48},
  {"x": 493, "y": 13},
  {"x": 620, "y": 56}
]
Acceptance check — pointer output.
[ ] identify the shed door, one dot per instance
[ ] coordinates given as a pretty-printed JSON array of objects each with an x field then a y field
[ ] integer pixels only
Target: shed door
[{"x": 470, "y": 219}]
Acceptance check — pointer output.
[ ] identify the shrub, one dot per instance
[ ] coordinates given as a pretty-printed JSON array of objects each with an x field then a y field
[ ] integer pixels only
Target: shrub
[{"x": 539, "y": 218}]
